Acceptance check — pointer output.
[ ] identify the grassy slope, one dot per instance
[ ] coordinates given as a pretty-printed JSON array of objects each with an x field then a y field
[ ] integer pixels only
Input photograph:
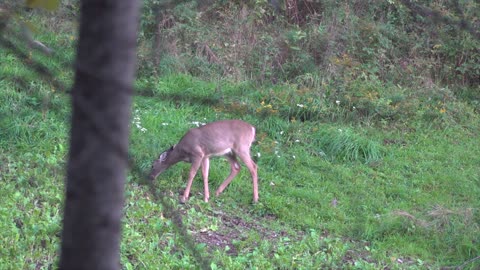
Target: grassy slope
[
  {"x": 414, "y": 205},
  {"x": 418, "y": 205}
]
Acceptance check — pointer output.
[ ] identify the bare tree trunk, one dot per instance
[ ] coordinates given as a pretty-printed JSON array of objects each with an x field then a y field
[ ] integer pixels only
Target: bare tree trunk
[{"x": 101, "y": 98}]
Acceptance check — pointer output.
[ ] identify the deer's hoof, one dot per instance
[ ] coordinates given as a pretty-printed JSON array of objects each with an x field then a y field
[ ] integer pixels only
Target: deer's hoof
[{"x": 183, "y": 199}]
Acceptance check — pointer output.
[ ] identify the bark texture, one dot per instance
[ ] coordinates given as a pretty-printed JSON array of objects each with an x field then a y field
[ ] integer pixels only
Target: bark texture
[{"x": 101, "y": 99}]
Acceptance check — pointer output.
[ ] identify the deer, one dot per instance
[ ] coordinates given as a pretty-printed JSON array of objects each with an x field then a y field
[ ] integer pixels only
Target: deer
[{"x": 228, "y": 138}]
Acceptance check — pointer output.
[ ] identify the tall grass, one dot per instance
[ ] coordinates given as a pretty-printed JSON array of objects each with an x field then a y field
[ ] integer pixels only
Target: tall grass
[{"x": 343, "y": 144}]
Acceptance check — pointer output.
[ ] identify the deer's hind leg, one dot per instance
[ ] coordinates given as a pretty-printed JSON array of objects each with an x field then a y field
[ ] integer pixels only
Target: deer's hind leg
[
  {"x": 234, "y": 169},
  {"x": 205, "y": 168},
  {"x": 252, "y": 167}
]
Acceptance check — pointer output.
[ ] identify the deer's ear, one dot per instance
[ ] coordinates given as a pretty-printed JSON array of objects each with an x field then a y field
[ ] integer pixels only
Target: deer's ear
[{"x": 163, "y": 156}]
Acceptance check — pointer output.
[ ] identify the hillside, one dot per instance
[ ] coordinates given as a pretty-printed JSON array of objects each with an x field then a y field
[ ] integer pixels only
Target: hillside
[{"x": 367, "y": 118}]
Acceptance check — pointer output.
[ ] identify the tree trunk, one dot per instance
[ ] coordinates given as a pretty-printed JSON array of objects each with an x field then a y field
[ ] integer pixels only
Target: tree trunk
[{"x": 101, "y": 98}]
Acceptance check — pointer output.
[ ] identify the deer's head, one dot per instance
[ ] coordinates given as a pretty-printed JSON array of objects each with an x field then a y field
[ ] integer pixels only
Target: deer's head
[{"x": 161, "y": 164}]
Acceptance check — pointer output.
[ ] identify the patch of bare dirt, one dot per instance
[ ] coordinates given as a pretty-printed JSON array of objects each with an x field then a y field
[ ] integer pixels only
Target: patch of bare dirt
[{"x": 234, "y": 228}]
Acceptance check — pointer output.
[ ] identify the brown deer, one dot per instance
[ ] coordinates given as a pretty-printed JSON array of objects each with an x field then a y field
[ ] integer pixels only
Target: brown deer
[{"x": 229, "y": 138}]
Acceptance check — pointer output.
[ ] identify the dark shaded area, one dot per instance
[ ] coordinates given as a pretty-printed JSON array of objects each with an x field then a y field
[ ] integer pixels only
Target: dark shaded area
[
  {"x": 188, "y": 98},
  {"x": 437, "y": 17},
  {"x": 40, "y": 69}
]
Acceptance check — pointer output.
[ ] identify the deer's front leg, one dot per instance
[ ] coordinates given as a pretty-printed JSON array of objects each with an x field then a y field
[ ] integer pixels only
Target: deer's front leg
[
  {"x": 205, "y": 167},
  {"x": 193, "y": 171}
]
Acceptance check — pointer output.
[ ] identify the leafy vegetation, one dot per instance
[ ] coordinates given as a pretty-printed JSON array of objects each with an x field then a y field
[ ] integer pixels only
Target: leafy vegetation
[{"x": 367, "y": 140}]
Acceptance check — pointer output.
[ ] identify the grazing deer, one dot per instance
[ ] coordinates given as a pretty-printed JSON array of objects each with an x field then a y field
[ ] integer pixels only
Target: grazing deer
[{"x": 229, "y": 138}]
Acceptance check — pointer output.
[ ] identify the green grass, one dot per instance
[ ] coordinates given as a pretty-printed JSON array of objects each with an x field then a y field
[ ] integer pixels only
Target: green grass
[{"x": 333, "y": 194}]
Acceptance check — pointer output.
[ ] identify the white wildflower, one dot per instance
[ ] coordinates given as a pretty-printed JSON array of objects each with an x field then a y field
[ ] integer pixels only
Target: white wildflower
[{"x": 137, "y": 122}]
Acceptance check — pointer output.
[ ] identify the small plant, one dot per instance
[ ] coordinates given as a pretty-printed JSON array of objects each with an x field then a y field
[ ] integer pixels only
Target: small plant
[{"x": 266, "y": 110}]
